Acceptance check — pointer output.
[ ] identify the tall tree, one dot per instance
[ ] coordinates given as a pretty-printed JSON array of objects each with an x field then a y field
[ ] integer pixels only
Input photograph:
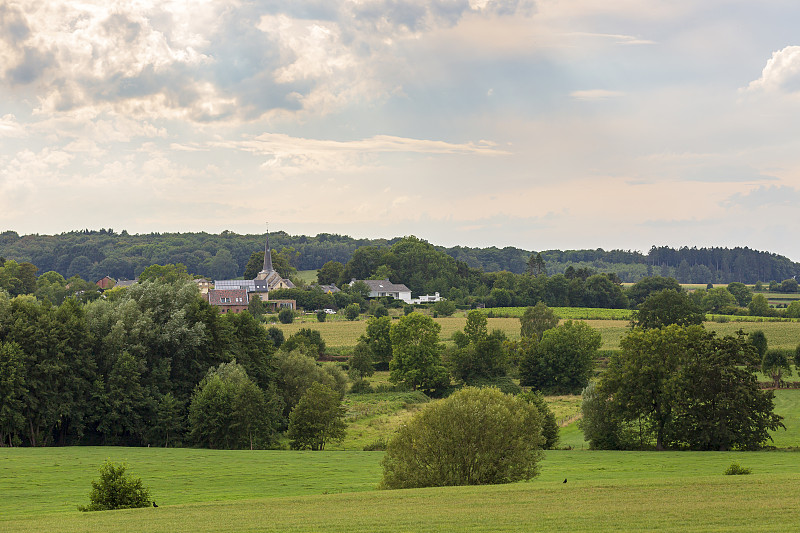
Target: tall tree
[{"x": 416, "y": 351}]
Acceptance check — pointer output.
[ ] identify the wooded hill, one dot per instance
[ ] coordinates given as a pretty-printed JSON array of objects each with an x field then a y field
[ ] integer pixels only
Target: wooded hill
[{"x": 93, "y": 254}]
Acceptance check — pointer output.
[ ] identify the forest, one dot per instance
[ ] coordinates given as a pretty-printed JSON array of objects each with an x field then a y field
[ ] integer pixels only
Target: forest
[{"x": 92, "y": 254}]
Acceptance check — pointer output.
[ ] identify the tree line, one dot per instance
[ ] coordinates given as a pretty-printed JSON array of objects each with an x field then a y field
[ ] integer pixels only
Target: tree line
[{"x": 92, "y": 254}]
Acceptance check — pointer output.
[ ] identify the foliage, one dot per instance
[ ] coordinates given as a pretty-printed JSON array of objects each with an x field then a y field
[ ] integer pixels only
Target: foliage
[
  {"x": 741, "y": 292},
  {"x": 601, "y": 424},
  {"x": 667, "y": 307},
  {"x": 286, "y": 316},
  {"x": 549, "y": 425},
  {"x": 776, "y": 364},
  {"x": 167, "y": 273},
  {"x": 483, "y": 357},
  {"x": 307, "y": 340},
  {"x": 686, "y": 387},
  {"x": 444, "y": 308},
  {"x": 536, "y": 320},
  {"x": 476, "y": 436},
  {"x": 322, "y": 316},
  {"x": 116, "y": 490},
  {"x": 416, "y": 351},
  {"x": 276, "y": 336},
  {"x": 317, "y": 419},
  {"x": 562, "y": 362},
  {"x": 295, "y": 373},
  {"x": 736, "y": 470},
  {"x": 759, "y": 341},
  {"x": 229, "y": 411},
  {"x": 330, "y": 273},
  {"x": 759, "y": 306},
  {"x": 378, "y": 339},
  {"x": 352, "y": 311},
  {"x": 645, "y": 287},
  {"x": 360, "y": 361}
]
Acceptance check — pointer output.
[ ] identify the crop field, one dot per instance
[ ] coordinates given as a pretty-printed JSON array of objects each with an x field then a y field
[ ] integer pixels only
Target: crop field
[{"x": 198, "y": 490}]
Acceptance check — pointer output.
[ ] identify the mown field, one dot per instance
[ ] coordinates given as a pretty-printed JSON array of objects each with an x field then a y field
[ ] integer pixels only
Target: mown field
[
  {"x": 198, "y": 490},
  {"x": 344, "y": 333}
]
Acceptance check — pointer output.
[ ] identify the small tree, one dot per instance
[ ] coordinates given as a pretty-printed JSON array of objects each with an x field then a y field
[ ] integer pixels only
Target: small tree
[
  {"x": 536, "y": 320},
  {"x": 116, "y": 490},
  {"x": 416, "y": 359},
  {"x": 322, "y": 315},
  {"x": 286, "y": 316},
  {"x": 474, "y": 437},
  {"x": 352, "y": 311},
  {"x": 776, "y": 364},
  {"x": 549, "y": 424},
  {"x": 667, "y": 307},
  {"x": 317, "y": 419},
  {"x": 361, "y": 361}
]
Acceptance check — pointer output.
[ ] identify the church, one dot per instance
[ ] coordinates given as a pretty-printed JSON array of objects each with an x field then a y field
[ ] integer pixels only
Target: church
[{"x": 234, "y": 295}]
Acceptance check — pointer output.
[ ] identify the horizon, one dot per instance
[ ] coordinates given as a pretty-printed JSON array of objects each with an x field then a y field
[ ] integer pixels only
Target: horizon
[{"x": 537, "y": 124}]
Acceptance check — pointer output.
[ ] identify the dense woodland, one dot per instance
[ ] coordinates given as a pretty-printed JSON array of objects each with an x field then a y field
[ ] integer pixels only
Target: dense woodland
[{"x": 92, "y": 254}]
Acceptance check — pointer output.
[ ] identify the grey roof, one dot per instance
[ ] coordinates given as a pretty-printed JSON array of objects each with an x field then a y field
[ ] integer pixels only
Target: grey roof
[{"x": 384, "y": 285}]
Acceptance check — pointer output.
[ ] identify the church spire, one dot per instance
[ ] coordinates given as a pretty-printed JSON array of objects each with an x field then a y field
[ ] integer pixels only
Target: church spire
[{"x": 267, "y": 255}]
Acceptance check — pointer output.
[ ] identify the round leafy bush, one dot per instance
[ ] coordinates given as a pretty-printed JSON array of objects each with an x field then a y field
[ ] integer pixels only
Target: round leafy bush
[
  {"x": 116, "y": 490},
  {"x": 476, "y": 436}
]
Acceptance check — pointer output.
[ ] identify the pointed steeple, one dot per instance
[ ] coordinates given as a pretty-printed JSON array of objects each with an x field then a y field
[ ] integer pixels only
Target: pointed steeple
[
  {"x": 267, "y": 255},
  {"x": 267, "y": 270}
]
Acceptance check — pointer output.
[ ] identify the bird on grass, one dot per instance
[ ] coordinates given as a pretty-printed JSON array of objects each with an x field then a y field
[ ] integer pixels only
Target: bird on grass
[
  {"x": 565, "y": 480},
  {"x": 156, "y": 505}
]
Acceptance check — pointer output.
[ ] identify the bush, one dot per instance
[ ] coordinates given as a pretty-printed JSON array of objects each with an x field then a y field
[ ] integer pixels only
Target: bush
[
  {"x": 321, "y": 315},
  {"x": 474, "y": 437},
  {"x": 735, "y": 470},
  {"x": 377, "y": 446},
  {"x": 361, "y": 386},
  {"x": 116, "y": 490},
  {"x": 317, "y": 419},
  {"x": 276, "y": 335},
  {"x": 352, "y": 311},
  {"x": 286, "y": 316}
]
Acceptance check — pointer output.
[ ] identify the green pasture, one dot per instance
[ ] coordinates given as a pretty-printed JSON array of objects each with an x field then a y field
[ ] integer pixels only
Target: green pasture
[
  {"x": 332, "y": 491},
  {"x": 309, "y": 276}
]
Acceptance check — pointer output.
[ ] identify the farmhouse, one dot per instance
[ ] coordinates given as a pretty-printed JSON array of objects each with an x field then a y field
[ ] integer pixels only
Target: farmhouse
[{"x": 384, "y": 287}]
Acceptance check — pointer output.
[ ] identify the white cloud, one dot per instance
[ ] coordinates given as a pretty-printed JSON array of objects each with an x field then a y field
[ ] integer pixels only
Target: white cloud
[
  {"x": 781, "y": 73},
  {"x": 9, "y": 127}
]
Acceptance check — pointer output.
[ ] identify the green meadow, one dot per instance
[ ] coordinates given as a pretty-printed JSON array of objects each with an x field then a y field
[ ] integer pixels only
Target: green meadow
[{"x": 198, "y": 490}]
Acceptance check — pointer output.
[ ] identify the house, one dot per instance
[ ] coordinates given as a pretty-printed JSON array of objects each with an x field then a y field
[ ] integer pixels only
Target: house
[
  {"x": 384, "y": 287},
  {"x": 203, "y": 285},
  {"x": 124, "y": 283},
  {"x": 229, "y": 300},
  {"x": 106, "y": 283},
  {"x": 427, "y": 299},
  {"x": 328, "y": 289}
]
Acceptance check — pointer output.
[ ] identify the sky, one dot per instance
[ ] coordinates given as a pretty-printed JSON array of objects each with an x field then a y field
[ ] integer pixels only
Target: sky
[{"x": 542, "y": 124}]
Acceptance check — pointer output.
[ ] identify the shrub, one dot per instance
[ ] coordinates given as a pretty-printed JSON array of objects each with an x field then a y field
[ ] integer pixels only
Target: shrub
[
  {"x": 276, "y": 335},
  {"x": 116, "y": 490},
  {"x": 361, "y": 386},
  {"x": 735, "y": 470},
  {"x": 476, "y": 436},
  {"x": 317, "y": 419},
  {"x": 377, "y": 446},
  {"x": 352, "y": 311},
  {"x": 286, "y": 316},
  {"x": 321, "y": 315}
]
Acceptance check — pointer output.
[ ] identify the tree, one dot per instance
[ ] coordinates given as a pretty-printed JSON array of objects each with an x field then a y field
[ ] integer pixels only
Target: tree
[
  {"x": 256, "y": 306},
  {"x": 352, "y": 311},
  {"x": 549, "y": 425},
  {"x": 360, "y": 361},
  {"x": 286, "y": 316},
  {"x": 116, "y": 489},
  {"x": 776, "y": 364},
  {"x": 167, "y": 273},
  {"x": 12, "y": 393},
  {"x": 229, "y": 411},
  {"x": 667, "y": 307},
  {"x": 444, "y": 308},
  {"x": 717, "y": 299},
  {"x": 536, "y": 320},
  {"x": 222, "y": 265},
  {"x": 741, "y": 292},
  {"x": 536, "y": 265},
  {"x": 685, "y": 387},
  {"x": 758, "y": 340},
  {"x": 308, "y": 340},
  {"x": 317, "y": 419},
  {"x": 378, "y": 338},
  {"x": 759, "y": 306},
  {"x": 639, "y": 291},
  {"x": 295, "y": 373},
  {"x": 562, "y": 362},
  {"x": 330, "y": 273},
  {"x": 416, "y": 351},
  {"x": 474, "y": 437}
]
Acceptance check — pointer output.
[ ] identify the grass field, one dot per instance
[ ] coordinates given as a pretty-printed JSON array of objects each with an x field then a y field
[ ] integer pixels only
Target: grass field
[{"x": 331, "y": 491}]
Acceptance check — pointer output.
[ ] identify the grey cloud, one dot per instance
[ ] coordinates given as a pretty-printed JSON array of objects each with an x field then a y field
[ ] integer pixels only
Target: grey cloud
[
  {"x": 765, "y": 196},
  {"x": 13, "y": 26},
  {"x": 32, "y": 66}
]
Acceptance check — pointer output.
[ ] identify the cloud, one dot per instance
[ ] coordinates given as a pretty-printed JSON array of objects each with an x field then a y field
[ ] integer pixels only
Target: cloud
[
  {"x": 9, "y": 127},
  {"x": 596, "y": 94},
  {"x": 765, "y": 197},
  {"x": 615, "y": 37},
  {"x": 781, "y": 73}
]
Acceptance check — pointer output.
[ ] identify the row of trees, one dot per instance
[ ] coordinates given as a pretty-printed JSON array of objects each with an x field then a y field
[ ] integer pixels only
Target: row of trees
[
  {"x": 153, "y": 364},
  {"x": 94, "y": 254}
]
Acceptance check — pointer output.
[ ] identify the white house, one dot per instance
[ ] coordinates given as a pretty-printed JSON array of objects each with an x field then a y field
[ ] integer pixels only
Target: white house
[
  {"x": 427, "y": 299},
  {"x": 384, "y": 287}
]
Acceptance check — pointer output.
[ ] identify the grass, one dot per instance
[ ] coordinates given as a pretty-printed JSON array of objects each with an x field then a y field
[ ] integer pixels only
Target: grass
[
  {"x": 371, "y": 417},
  {"x": 606, "y": 491}
]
